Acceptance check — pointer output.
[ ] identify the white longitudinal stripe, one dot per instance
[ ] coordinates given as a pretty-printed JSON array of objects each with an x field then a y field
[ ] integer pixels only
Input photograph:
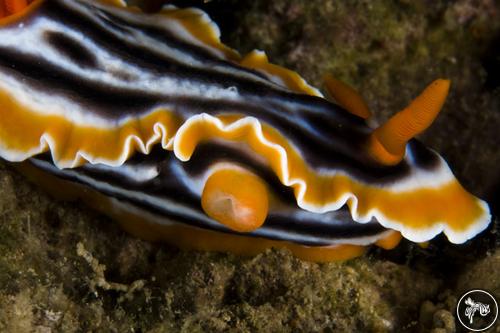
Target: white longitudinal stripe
[
  {"x": 134, "y": 173},
  {"x": 363, "y": 240},
  {"x": 138, "y": 196},
  {"x": 414, "y": 234},
  {"x": 171, "y": 205},
  {"x": 140, "y": 38},
  {"x": 172, "y": 27},
  {"x": 46, "y": 103},
  {"x": 29, "y": 41},
  {"x": 338, "y": 217},
  {"x": 264, "y": 232},
  {"x": 193, "y": 184},
  {"x": 439, "y": 176},
  {"x": 196, "y": 184},
  {"x": 417, "y": 179},
  {"x": 175, "y": 28}
]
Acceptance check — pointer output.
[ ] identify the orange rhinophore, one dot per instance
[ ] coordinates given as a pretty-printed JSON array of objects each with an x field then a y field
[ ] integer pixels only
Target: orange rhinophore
[
  {"x": 347, "y": 97},
  {"x": 388, "y": 142}
]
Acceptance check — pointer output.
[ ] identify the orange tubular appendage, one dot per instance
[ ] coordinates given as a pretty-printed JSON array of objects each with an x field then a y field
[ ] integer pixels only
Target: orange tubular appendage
[
  {"x": 346, "y": 97},
  {"x": 236, "y": 198},
  {"x": 388, "y": 142}
]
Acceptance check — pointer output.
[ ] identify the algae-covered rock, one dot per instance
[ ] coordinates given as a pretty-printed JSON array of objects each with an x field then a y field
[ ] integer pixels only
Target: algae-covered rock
[
  {"x": 64, "y": 268},
  {"x": 484, "y": 273},
  {"x": 64, "y": 273}
]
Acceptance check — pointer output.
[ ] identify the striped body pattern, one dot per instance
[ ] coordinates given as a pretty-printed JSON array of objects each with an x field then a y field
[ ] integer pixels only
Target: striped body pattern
[{"x": 179, "y": 138}]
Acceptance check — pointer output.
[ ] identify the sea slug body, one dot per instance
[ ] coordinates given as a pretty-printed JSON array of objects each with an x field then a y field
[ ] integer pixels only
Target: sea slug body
[{"x": 181, "y": 139}]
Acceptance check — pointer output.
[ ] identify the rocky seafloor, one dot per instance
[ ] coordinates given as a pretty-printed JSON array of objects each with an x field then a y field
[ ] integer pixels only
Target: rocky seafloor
[{"x": 65, "y": 268}]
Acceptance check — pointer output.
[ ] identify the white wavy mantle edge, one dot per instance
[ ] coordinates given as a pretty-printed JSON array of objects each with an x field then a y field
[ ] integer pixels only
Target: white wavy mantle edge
[
  {"x": 47, "y": 143},
  {"x": 413, "y": 234}
]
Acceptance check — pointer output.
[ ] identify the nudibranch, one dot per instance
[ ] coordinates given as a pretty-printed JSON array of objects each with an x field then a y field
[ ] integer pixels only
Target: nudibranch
[{"x": 152, "y": 120}]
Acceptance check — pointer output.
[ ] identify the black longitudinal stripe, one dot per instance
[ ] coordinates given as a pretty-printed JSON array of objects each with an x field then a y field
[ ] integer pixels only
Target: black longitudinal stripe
[
  {"x": 315, "y": 150},
  {"x": 203, "y": 158},
  {"x": 209, "y": 154},
  {"x": 112, "y": 25},
  {"x": 344, "y": 151},
  {"x": 281, "y": 227},
  {"x": 42, "y": 75},
  {"x": 44, "y": 162},
  {"x": 302, "y": 100},
  {"x": 166, "y": 37},
  {"x": 146, "y": 59},
  {"x": 159, "y": 62},
  {"x": 423, "y": 157},
  {"x": 71, "y": 49},
  {"x": 153, "y": 61},
  {"x": 283, "y": 224}
]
